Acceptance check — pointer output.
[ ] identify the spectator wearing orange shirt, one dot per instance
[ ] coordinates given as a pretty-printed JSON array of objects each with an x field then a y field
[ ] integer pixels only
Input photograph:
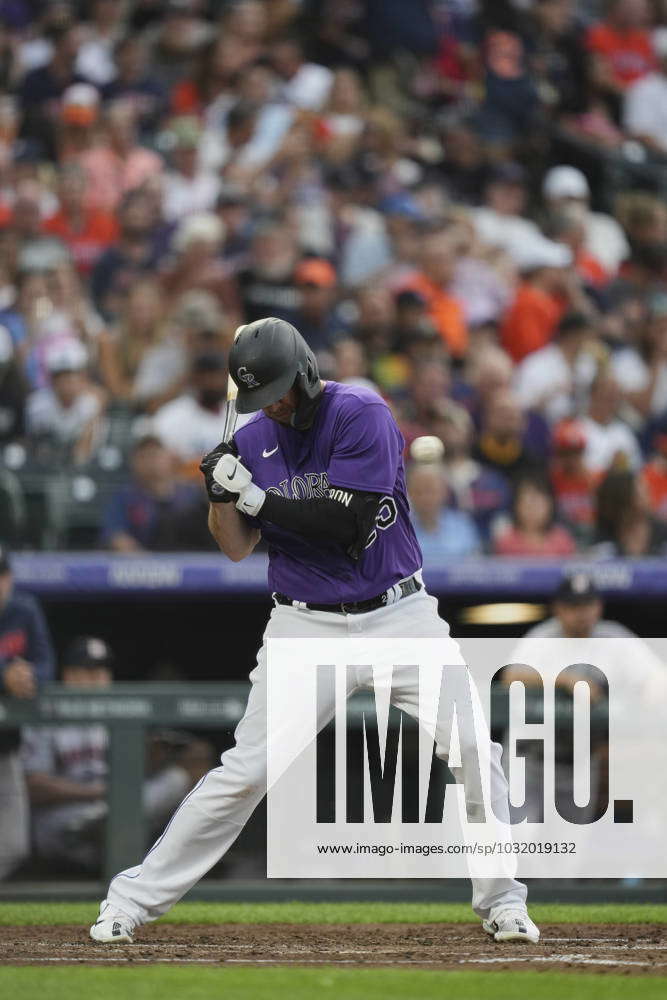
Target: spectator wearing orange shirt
[
  {"x": 86, "y": 231},
  {"x": 541, "y": 297},
  {"x": 433, "y": 282},
  {"x": 621, "y": 45},
  {"x": 653, "y": 477}
]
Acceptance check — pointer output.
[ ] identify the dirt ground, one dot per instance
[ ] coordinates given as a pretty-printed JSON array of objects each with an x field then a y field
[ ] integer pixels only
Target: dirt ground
[{"x": 639, "y": 949}]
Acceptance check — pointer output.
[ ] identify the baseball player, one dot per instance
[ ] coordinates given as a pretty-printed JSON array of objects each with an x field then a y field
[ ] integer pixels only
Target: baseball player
[{"x": 318, "y": 473}]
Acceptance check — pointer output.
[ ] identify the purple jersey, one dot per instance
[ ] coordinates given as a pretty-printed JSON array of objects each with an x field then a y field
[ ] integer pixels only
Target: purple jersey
[{"x": 354, "y": 443}]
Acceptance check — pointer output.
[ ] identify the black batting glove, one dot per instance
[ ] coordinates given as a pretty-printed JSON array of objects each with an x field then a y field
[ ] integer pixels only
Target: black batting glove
[{"x": 216, "y": 492}]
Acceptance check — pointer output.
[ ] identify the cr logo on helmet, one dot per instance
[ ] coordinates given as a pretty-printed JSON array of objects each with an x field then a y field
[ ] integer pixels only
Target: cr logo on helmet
[{"x": 247, "y": 377}]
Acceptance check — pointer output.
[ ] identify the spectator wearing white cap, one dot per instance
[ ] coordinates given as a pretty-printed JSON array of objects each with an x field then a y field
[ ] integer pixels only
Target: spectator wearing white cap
[
  {"x": 77, "y": 121},
  {"x": 566, "y": 186},
  {"x": 645, "y": 102},
  {"x": 67, "y": 413}
]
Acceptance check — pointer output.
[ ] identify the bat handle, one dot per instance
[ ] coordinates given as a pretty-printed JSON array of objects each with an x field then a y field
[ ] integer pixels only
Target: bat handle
[{"x": 230, "y": 421}]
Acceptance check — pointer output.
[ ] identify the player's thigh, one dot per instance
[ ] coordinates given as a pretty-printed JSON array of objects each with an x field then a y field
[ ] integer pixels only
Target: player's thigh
[
  {"x": 284, "y": 622},
  {"x": 415, "y": 688}
]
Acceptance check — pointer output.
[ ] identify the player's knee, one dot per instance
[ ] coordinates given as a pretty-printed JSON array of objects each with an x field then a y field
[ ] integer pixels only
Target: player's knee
[{"x": 244, "y": 774}]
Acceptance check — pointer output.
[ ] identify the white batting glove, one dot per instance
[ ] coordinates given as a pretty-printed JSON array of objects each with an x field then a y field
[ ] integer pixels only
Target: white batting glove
[{"x": 233, "y": 476}]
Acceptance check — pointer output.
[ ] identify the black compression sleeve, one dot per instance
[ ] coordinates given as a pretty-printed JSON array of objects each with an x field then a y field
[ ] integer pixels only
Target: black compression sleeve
[
  {"x": 321, "y": 517},
  {"x": 345, "y": 516}
]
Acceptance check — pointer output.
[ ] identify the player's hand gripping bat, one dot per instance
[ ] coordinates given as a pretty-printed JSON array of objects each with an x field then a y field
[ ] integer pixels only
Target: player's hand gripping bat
[{"x": 217, "y": 493}]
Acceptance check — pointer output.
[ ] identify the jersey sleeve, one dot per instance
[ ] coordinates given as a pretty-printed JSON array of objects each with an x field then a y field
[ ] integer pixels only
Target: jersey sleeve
[{"x": 366, "y": 450}]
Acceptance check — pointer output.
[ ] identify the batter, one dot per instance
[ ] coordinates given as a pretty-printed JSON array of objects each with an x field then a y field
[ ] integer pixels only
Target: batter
[{"x": 318, "y": 473}]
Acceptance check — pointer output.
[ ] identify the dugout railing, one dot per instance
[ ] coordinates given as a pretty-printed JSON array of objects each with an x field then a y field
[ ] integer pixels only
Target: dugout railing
[{"x": 130, "y": 710}]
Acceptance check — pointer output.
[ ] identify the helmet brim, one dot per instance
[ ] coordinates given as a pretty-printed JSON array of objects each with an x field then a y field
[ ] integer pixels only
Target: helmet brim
[{"x": 251, "y": 400}]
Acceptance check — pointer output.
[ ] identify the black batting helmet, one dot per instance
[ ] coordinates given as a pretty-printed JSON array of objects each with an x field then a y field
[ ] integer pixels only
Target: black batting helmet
[{"x": 267, "y": 358}]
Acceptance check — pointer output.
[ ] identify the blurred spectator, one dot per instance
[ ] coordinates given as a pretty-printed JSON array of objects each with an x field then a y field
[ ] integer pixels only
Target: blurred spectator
[
  {"x": 653, "y": 476},
  {"x": 267, "y": 286},
  {"x": 533, "y": 531},
  {"x": 78, "y": 121},
  {"x": 482, "y": 287},
  {"x": 170, "y": 171},
  {"x": 500, "y": 221},
  {"x": 642, "y": 370},
  {"x": 644, "y": 218},
  {"x": 177, "y": 38},
  {"x": 138, "y": 517},
  {"x": 67, "y": 413},
  {"x": 442, "y": 532},
  {"x": 192, "y": 424},
  {"x": 621, "y": 46},
  {"x": 134, "y": 82},
  {"x": 501, "y": 443},
  {"x": 644, "y": 114},
  {"x": 118, "y": 164},
  {"x": 428, "y": 389},
  {"x": 42, "y": 87},
  {"x": 351, "y": 363},
  {"x": 464, "y": 169},
  {"x": 316, "y": 317},
  {"x": 26, "y": 662},
  {"x": 609, "y": 441},
  {"x": 567, "y": 227},
  {"x": 555, "y": 378},
  {"x": 103, "y": 29},
  {"x": 433, "y": 282},
  {"x": 132, "y": 257},
  {"x": 139, "y": 361},
  {"x": 87, "y": 232},
  {"x": 26, "y": 212},
  {"x": 12, "y": 391},
  {"x": 625, "y": 525},
  {"x": 556, "y": 52},
  {"x": 566, "y": 187},
  {"x": 478, "y": 489},
  {"x": 234, "y": 210},
  {"x": 541, "y": 298},
  {"x": 342, "y": 120},
  {"x": 187, "y": 187},
  {"x": 66, "y": 769},
  {"x": 572, "y": 482},
  {"x": 196, "y": 260},
  {"x": 306, "y": 85},
  {"x": 210, "y": 86}
]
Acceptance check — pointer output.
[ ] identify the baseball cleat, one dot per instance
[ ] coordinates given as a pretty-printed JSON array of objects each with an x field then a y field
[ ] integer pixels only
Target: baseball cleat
[
  {"x": 112, "y": 927},
  {"x": 512, "y": 924}
]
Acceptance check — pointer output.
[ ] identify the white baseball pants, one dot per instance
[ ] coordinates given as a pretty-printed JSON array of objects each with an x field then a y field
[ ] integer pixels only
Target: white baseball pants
[{"x": 211, "y": 817}]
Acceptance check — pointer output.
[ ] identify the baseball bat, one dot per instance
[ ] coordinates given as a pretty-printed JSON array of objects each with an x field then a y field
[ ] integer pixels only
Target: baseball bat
[{"x": 230, "y": 412}]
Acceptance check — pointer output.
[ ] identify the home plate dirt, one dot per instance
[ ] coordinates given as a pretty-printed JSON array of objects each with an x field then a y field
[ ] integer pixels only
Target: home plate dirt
[{"x": 628, "y": 949}]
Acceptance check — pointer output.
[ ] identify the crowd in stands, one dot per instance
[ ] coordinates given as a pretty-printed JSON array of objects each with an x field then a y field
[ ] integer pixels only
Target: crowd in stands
[{"x": 461, "y": 203}]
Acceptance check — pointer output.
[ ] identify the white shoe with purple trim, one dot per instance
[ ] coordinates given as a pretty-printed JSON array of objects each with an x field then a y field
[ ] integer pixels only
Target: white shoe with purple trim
[
  {"x": 112, "y": 927},
  {"x": 512, "y": 924}
]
